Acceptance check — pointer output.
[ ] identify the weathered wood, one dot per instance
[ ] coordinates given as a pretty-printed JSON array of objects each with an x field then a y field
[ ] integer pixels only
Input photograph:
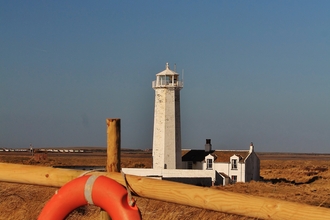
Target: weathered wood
[
  {"x": 113, "y": 145},
  {"x": 201, "y": 197},
  {"x": 113, "y": 152}
]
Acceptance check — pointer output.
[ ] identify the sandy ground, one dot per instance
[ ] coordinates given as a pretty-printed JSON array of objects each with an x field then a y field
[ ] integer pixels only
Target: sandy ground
[{"x": 297, "y": 178}]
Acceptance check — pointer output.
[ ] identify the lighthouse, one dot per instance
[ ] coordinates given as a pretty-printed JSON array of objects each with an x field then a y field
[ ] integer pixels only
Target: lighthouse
[{"x": 166, "y": 148}]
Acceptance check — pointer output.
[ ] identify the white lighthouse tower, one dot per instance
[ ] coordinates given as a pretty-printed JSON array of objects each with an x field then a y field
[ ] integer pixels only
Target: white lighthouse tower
[{"x": 166, "y": 149}]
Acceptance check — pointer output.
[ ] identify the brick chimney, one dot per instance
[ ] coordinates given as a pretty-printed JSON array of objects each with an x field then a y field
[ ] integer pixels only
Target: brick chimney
[{"x": 208, "y": 145}]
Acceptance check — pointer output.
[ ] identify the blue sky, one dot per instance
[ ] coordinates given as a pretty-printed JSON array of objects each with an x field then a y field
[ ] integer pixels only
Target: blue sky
[{"x": 253, "y": 71}]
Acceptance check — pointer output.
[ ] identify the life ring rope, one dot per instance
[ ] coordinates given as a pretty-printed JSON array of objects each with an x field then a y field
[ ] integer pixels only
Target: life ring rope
[{"x": 131, "y": 201}]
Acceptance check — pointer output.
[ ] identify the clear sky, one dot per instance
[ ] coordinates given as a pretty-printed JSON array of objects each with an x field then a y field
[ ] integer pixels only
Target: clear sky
[{"x": 253, "y": 71}]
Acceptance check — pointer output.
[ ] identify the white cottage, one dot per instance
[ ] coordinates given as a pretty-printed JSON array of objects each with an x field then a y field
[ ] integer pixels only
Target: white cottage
[{"x": 231, "y": 165}]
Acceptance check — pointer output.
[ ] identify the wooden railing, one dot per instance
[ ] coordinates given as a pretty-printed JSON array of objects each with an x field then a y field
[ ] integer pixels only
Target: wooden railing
[{"x": 201, "y": 197}]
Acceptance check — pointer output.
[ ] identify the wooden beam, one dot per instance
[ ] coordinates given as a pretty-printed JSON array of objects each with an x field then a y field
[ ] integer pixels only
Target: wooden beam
[{"x": 201, "y": 197}]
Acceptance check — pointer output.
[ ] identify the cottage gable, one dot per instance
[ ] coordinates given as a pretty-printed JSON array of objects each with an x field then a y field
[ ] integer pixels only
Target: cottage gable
[{"x": 209, "y": 160}]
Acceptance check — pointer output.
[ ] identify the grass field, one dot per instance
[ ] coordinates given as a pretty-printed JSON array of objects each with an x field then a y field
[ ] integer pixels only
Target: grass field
[{"x": 303, "y": 178}]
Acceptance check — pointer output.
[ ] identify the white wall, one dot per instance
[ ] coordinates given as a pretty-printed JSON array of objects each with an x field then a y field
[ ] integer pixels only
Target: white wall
[
  {"x": 252, "y": 163},
  {"x": 222, "y": 167},
  {"x": 167, "y": 134},
  {"x": 170, "y": 172}
]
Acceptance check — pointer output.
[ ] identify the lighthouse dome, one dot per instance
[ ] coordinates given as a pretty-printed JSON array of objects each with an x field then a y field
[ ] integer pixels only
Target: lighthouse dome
[{"x": 167, "y": 71}]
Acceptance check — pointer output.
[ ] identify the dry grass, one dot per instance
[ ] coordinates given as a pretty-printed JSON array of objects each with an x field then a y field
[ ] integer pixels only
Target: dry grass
[{"x": 304, "y": 181}]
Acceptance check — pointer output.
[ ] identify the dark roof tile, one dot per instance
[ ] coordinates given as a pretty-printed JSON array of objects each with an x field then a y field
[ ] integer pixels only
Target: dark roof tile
[{"x": 220, "y": 156}]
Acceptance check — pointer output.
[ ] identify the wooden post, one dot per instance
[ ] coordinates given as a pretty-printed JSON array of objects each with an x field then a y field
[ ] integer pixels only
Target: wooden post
[
  {"x": 113, "y": 145},
  {"x": 113, "y": 152},
  {"x": 200, "y": 197}
]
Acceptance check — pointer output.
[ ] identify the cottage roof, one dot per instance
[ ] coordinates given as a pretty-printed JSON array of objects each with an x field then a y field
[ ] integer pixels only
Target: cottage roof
[
  {"x": 167, "y": 72},
  {"x": 224, "y": 175},
  {"x": 195, "y": 155},
  {"x": 220, "y": 156}
]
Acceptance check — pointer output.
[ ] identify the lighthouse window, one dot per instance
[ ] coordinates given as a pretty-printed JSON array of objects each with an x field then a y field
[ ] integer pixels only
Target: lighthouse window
[
  {"x": 168, "y": 80},
  {"x": 164, "y": 80}
]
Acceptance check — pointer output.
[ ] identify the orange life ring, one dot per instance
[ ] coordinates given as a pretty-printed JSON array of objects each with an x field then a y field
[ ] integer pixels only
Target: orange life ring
[{"x": 96, "y": 190}]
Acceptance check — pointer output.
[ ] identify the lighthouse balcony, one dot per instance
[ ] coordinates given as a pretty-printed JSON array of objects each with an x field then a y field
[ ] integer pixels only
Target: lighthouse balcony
[{"x": 169, "y": 84}]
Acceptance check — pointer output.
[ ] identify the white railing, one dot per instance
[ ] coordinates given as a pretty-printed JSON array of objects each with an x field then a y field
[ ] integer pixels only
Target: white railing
[{"x": 178, "y": 84}]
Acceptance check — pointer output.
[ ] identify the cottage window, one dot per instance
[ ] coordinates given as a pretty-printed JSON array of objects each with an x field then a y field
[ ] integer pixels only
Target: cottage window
[
  {"x": 234, "y": 164},
  {"x": 190, "y": 164},
  {"x": 209, "y": 164},
  {"x": 234, "y": 178}
]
